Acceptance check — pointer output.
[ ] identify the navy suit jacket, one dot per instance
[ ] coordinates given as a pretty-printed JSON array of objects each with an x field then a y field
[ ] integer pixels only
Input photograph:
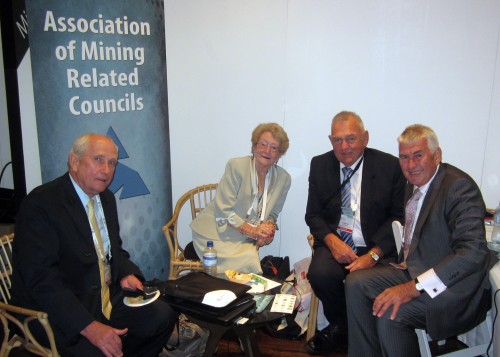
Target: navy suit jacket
[
  {"x": 382, "y": 195},
  {"x": 54, "y": 260},
  {"x": 449, "y": 236}
]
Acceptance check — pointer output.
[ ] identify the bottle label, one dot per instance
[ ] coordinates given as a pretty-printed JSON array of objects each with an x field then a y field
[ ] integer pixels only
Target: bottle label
[{"x": 209, "y": 261}]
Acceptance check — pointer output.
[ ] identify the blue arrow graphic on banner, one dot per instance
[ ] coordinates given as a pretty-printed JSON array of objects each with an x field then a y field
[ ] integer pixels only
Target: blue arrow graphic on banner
[{"x": 131, "y": 181}]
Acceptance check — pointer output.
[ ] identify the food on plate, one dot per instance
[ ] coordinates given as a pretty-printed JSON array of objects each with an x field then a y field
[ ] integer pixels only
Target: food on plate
[
  {"x": 136, "y": 300},
  {"x": 233, "y": 275}
]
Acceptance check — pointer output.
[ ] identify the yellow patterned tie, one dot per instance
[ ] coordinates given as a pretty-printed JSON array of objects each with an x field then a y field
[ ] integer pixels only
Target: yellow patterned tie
[{"x": 106, "y": 302}]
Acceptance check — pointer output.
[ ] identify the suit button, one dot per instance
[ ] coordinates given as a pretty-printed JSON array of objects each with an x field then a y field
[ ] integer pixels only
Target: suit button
[
  {"x": 95, "y": 287},
  {"x": 87, "y": 254}
]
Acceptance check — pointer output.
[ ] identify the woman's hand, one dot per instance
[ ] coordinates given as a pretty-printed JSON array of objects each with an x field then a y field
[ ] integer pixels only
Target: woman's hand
[{"x": 265, "y": 233}]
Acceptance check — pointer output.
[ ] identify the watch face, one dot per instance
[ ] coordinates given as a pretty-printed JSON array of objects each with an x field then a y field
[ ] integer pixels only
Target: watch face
[{"x": 374, "y": 256}]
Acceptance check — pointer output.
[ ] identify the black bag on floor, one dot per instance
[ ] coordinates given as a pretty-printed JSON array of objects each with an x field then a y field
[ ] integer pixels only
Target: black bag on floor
[
  {"x": 290, "y": 332},
  {"x": 275, "y": 267}
]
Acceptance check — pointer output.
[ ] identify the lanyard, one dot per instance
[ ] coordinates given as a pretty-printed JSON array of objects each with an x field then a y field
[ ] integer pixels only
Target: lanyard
[
  {"x": 255, "y": 191},
  {"x": 327, "y": 201},
  {"x": 348, "y": 178},
  {"x": 357, "y": 190},
  {"x": 102, "y": 256}
]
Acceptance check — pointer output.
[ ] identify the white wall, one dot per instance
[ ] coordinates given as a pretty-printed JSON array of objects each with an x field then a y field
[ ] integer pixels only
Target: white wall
[{"x": 234, "y": 64}]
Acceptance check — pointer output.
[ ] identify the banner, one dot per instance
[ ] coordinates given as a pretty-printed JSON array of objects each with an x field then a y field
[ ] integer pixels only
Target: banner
[{"x": 99, "y": 66}]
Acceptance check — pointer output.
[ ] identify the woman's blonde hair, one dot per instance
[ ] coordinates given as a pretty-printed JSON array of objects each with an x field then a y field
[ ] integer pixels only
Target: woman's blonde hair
[{"x": 276, "y": 131}]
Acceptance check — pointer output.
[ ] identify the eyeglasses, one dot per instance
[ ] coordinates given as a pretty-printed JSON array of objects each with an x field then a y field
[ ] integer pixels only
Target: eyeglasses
[
  {"x": 351, "y": 139},
  {"x": 264, "y": 145}
]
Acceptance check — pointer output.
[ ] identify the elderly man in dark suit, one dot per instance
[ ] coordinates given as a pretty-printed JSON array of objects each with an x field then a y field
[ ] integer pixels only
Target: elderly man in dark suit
[
  {"x": 441, "y": 282},
  {"x": 354, "y": 195},
  {"x": 69, "y": 261}
]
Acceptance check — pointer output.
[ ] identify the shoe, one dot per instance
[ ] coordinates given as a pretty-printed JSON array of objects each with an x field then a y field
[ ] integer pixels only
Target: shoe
[{"x": 331, "y": 338}]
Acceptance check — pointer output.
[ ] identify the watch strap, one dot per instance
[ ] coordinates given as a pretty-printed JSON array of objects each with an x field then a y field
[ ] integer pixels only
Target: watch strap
[{"x": 374, "y": 255}]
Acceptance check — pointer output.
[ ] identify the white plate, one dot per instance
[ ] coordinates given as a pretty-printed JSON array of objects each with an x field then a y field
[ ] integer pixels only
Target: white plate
[{"x": 126, "y": 300}]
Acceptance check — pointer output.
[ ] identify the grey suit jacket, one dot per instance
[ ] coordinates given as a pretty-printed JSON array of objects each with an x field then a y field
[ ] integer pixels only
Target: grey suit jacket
[
  {"x": 55, "y": 263},
  {"x": 449, "y": 237}
]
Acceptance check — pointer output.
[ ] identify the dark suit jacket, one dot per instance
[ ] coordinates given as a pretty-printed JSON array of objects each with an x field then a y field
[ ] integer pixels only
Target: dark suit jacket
[
  {"x": 382, "y": 194},
  {"x": 55, "y": 263},
  {"x": 449, "y": 237}
]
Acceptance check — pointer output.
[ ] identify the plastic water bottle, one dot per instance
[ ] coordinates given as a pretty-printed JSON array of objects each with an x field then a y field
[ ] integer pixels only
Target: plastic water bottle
[
  {"x": 495, "y": 235},
  {"x": 210, "y": 259}
]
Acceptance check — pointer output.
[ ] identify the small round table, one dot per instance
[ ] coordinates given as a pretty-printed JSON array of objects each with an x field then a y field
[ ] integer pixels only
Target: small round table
[{"x": 219, "y": 325}]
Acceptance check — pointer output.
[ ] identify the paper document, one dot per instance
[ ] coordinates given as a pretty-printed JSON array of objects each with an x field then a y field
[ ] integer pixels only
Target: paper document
[
  {"x": 261, "y": 284},
  {"x": 283, "y": 303}
]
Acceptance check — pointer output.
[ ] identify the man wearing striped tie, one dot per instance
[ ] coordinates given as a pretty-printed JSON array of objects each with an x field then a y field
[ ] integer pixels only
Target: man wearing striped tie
[
  {"x": 355, "y": 193},
  {"x": 69, "y": 262}
]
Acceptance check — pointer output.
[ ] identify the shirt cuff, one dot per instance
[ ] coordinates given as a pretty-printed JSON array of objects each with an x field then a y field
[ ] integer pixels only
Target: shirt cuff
[{"x": 431, "y": 283}]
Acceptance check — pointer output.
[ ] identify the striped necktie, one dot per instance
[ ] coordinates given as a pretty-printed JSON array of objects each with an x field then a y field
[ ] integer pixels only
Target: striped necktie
[
  {"x": 105, "y": 296},
  {"x": 345, "y": 195}
]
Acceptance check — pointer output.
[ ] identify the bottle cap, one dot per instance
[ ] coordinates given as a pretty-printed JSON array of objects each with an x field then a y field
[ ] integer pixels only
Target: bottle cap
[{"x": 210, "y": 243}]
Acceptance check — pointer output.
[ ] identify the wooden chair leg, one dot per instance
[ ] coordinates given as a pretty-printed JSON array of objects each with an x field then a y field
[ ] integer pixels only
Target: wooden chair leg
[{"x": 313, "y": 317}]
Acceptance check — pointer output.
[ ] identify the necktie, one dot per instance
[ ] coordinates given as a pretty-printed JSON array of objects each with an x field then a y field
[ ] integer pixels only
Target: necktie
[
  {"x": 410, "y": 213},
  {"x": 105, "y": 300},
  {"x": 345, "y": 195}
]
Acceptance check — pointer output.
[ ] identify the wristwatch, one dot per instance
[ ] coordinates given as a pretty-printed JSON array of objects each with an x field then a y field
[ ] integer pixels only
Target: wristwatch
[
  {"x": 374, "y": 255},
  {"x": 419, "y": 286}
]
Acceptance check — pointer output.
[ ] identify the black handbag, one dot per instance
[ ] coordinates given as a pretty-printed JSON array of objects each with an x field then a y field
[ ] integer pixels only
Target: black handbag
[{"x": 275, "y": 267}]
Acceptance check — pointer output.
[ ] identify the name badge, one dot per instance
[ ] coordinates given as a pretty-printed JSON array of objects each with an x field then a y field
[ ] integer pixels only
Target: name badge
[
  {"x": 107, "y": 273},
  {"x": 346, "y": 223}
]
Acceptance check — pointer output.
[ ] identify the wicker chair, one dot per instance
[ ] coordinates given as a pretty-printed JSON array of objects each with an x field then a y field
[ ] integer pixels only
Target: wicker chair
[
  {"x": 16, "y": 320},
  {"x": 198, "y": 198}
]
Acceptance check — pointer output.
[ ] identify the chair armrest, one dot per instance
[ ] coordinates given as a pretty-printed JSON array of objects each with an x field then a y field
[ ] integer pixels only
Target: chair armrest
[{"x": 21, "y": 318}]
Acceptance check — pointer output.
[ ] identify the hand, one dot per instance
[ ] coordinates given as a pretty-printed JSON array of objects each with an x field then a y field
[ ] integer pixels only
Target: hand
[
  {"x": 341, "y": 251},
  {"x": 363, "y": 262},
  {"x": 104, "y": 337},
  {"x": 131, "y": 282},
  {"x": 395, "y": 297},
  {"x": 264, "y": 234}
]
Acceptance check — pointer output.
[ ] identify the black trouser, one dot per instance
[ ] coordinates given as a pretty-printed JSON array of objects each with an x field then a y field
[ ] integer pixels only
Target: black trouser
[
  {"x": 149, "y": 328},
  {"x": 327, "y": 277}
]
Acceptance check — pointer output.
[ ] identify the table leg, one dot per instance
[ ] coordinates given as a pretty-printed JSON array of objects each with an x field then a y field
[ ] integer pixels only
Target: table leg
[{"x": 248, "y": 341}]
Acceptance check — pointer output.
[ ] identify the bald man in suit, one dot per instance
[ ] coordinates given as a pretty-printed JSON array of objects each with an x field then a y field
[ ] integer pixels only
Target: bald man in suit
[
  {"x": 57, "y": 265},
  {"x": 441, "y": 283},
  {"x": 376, "y": 199}
]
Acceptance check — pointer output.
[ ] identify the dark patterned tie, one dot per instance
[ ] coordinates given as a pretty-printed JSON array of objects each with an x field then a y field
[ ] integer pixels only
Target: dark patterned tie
[
  {"x": 410, "y": 213},
  {"x": 346, "y": 202}
]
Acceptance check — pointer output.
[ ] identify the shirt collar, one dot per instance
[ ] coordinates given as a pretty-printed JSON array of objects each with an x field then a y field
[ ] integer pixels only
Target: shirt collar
[
  {"x": 84, "y": 198},
  {"x": 353, "y": 166},
  {"x": 424, "y": 188}
]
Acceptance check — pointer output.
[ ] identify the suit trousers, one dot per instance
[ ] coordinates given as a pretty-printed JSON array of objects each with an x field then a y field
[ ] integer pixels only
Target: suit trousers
[
  {"x": 373, "y": 336},
  {"x": 326, "y": 277},
  {"x": 149, "y": 328}
]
